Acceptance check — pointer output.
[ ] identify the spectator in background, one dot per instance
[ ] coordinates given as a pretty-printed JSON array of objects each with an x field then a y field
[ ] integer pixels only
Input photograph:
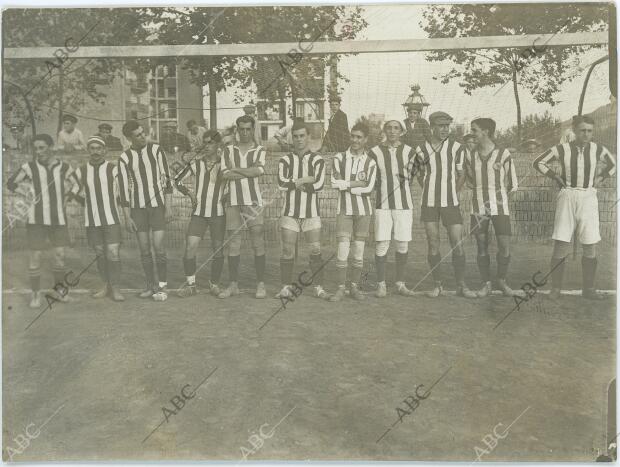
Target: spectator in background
[
  {"x": 171, "y": 141},
  {"x": 195, "y": 133},
  {"x": 418, "y": 130},
  {"x": 531, "y": 145},
  {"x": 112, "y": 143},
  {"x": 16, "y": 139},
  {"x": 337, "y": 136},
  {"x": 470, "y": 142},
  {"x": 251, "y": 111},
  {"x": 70, "y": 138}
]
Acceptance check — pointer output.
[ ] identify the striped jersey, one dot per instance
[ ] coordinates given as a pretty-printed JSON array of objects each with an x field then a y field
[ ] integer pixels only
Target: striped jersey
[
  {"x": 492, "y": 179},
  {"x": 393, "y": 176},
  {"x": 348, "y": 167},
  {"x": 50, "y": 184},
  {"x": 144, "y": 177},
  {"x": 438, "y": 166},
  {"x": 244, "y": 191},
  {"x": 208, "y": 187},
  {"x": 100, "y": 186},
  {"x": 299, "y": 203},
  {"x": 578, "y": 165}
]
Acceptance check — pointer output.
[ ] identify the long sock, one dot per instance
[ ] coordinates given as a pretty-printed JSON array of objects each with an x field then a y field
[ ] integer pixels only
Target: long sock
[
  {"x": 380, "y": 265},
  {"x": 401, "y": 265},
  {"x": 286, "y": 270},
  {"x": 149, "y": 272},
  {"x": 484, "y": 266},
  {"x": 233, "y": 267},
  {"x": 259, "y": 264},
  {"x": 189, "y": 266},
  {"x": 316, "y": 266},
  {"x": 557, "y": 276},
  {"x": 356, "y": 271},
  {"x": 588, "y": 271},
  {"x": 434, "y": 261},
  {"x": 114, "y": 272},
  {"x": 342, "y": 275},
  {"x": 502, "y": 265},
  {"x": 458, "y": 262},
  {"x": 102, "y": 267},
  {"x": 162, "y": 267},
  {"x": 35, "y": 278},
  {"x": 217, "y": 265}
]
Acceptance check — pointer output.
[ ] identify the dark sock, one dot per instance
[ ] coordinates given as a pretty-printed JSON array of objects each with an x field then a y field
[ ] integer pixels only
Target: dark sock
[
  {"x": 484, "y": 266},
  {"x": 588, "y": 271},
  {"x": 217, "y": 265},
  {"x": 502, "y": 265},
  {"x": 259, "y": 264},
  {"x": 233, "y": 267},
  {"x": 380, "y": 265},
  {"x": 356, "y": 274},
  {"x": 557, "y": 275},
  {"x": 434, "y": 261},
  {"x": 316, "y": 266},
  {"x": 342, "y": 276},
  {"x": 286, "y": 270},
  {"x": 162, "y": 267},
  {"x": 102, "y": 267},
  {"x": 35, "y": 278},
  {"x": 401, "y": 265},
  {"x": 114, "y": 272},
  {"x": 458, "y": 262},
  {"x": 59, "y": 275},
  {"x": 189, "y": 266},
  {"x": 147, "y": 265}
]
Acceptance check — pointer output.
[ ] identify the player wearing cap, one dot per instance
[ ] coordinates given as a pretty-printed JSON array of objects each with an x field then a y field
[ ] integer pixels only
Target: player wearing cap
[
  {"x": 70, "y": 138},
  {"x": 491, "y": 174},
  {"x": 417, "y": 128},
  {"x": 394, "y": 204},
  {"x": 242, "y": 165},
  {"x": 584, "y": 164},
  {"x": 112, "y": 143},
  {"x": 49, "y": 180},
  {"x": 207, "y": 212},
  {"x": 96, "y": 188},
  {"x": 353, "y": 174},
  {"x": 146, "y": 197},
  {"x": 440, "y": 160},
  {"x": 301, "y": 175}
]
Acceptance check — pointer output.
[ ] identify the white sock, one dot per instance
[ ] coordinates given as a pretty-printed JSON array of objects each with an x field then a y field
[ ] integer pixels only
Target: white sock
[
  {"x": 191, "y": 280},
  {"x": 162, "y": 284}
]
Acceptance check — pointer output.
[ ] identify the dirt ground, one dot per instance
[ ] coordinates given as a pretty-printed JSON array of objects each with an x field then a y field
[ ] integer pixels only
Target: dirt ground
[{"x": 331, "y": 375}]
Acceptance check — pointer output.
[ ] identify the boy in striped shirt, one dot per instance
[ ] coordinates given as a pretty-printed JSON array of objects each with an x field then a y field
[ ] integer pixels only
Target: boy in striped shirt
[
  {"x": 394, "y": 204},
  {"x": 47, "y": 221},
  {"x": 584, "y": 164},
  {"x": 97, "y": 180},
  {"x": 242, "y": 166},
  {"x": 491, "y": 174},
  {"x": 146, "y": 198},
  {"x": 353, "y": 174},
  {"x": 441, "y": 176},
  {"x": 207, "y": 212},
  {"x": 301, "y": 175}
]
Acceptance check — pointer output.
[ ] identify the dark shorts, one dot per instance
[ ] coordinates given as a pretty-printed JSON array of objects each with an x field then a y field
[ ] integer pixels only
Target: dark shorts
[
  {"x": 38, "y": 236},
  {"x": 450, "y": 215},
  {"x": 149, "y": 218},
  {"x": 236, "y": 215},
  {"x": 355, "y": 227},
  {"x": 480, "y": 224},
  {"x": 198, "y": 226},
  {"x": 104, "y": 235}
]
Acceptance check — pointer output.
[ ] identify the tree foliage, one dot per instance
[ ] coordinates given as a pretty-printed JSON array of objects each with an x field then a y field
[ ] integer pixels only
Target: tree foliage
[{"x": 545, "y": 128}]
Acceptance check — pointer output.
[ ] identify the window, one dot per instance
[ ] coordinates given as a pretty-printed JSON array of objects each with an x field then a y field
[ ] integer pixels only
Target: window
[{"x": 163, "y": 97}]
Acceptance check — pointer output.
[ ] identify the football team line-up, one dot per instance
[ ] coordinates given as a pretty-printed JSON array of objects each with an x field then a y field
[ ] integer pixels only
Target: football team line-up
[{"x": 226, "y": 198}]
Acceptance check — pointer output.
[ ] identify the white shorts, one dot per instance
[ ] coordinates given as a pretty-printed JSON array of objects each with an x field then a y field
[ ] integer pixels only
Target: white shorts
[
  {"x": 300, "y": 225},
  {"x": 400, "y": 219},
  {"x": 577, "y": 208}
]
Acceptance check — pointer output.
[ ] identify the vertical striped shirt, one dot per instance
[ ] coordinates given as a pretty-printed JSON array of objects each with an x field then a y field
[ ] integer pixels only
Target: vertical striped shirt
[
  {"x": 346, "y": 166},
  {"x": 299, "y": 203},
  {"x": 208, "y": 186},
  {"x": 393, "y": 176},
  {"x": 438, "y": 167},
  {"x": 244, "y": 191},
  {"x": 144, "y": 177},
  {"x": 100, "y": 186},
  {"x": 492, "y": 179},
  {"x": 50, "y": 184},
  {"x": 578, "y": 165}
]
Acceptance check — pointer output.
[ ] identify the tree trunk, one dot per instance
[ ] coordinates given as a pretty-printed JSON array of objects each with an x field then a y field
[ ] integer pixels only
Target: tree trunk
[
  {"x": 518, "y": 102},
  {"x": 61, "y": 84},
  {"x": 282, "y": 104},
  {"x": 212, "y": 103}
]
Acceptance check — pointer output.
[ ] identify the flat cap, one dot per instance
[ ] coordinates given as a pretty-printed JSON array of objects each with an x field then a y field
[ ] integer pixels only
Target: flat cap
[
  {"x": 69, "y": 118},
  {"x": 415, "y": 106},
  {"x": 335, "y": 98},
  {"x": 105, "y": 126},
  {"x": 440, "y": 118},
  {"x": 212, "y": 135}
]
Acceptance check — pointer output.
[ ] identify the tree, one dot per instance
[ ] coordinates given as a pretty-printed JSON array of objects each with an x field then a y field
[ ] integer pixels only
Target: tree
[
  {"x": 544, "y": 128},
  {"x": 540, "y": 69}
]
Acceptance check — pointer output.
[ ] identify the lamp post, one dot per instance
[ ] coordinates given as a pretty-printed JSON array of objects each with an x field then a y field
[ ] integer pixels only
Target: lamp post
[{"x": 416, "y": 100}]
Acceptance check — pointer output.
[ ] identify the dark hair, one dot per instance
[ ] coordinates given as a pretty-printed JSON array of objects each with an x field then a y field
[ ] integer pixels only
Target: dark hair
[
  {"x": 579, "y": 119},
  {"x": 70, "y": 118},
  {"x": 485, "y": 124},
  {"x": 245, "y": 119},
  {"x": 190, "y": 123},
  {"x": 47, "y": 139},
  {"x": 129, "y": 127},
  {"x": 298, "y": 124},
  {"x": 468, "y": 137},
  {"x": 361, "y": 127},
  {"x": 213, "y": 135}
]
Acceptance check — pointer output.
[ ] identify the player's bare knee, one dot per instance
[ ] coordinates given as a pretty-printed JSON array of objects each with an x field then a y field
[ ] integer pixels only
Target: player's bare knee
[
  {"x": 561, "y": 249},
  {"x": 35, "y": 258},
  {"x": 59, "y": 257},
  {"x": 381, "y": 247},
  {"x": 258, "y": 240},
  {"x": 315, "y": 248},
  {"x": 112, "y": 252},
  {"x": 288, "y": 250},
  {"x": 343, "y": 249},
  {"x": 402, "y": 247},
  {"x": 589, "y": 251}
]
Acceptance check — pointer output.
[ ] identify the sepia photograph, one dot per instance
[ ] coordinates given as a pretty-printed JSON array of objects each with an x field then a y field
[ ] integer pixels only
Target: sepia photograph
[{"x": 318, "y": 232}]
